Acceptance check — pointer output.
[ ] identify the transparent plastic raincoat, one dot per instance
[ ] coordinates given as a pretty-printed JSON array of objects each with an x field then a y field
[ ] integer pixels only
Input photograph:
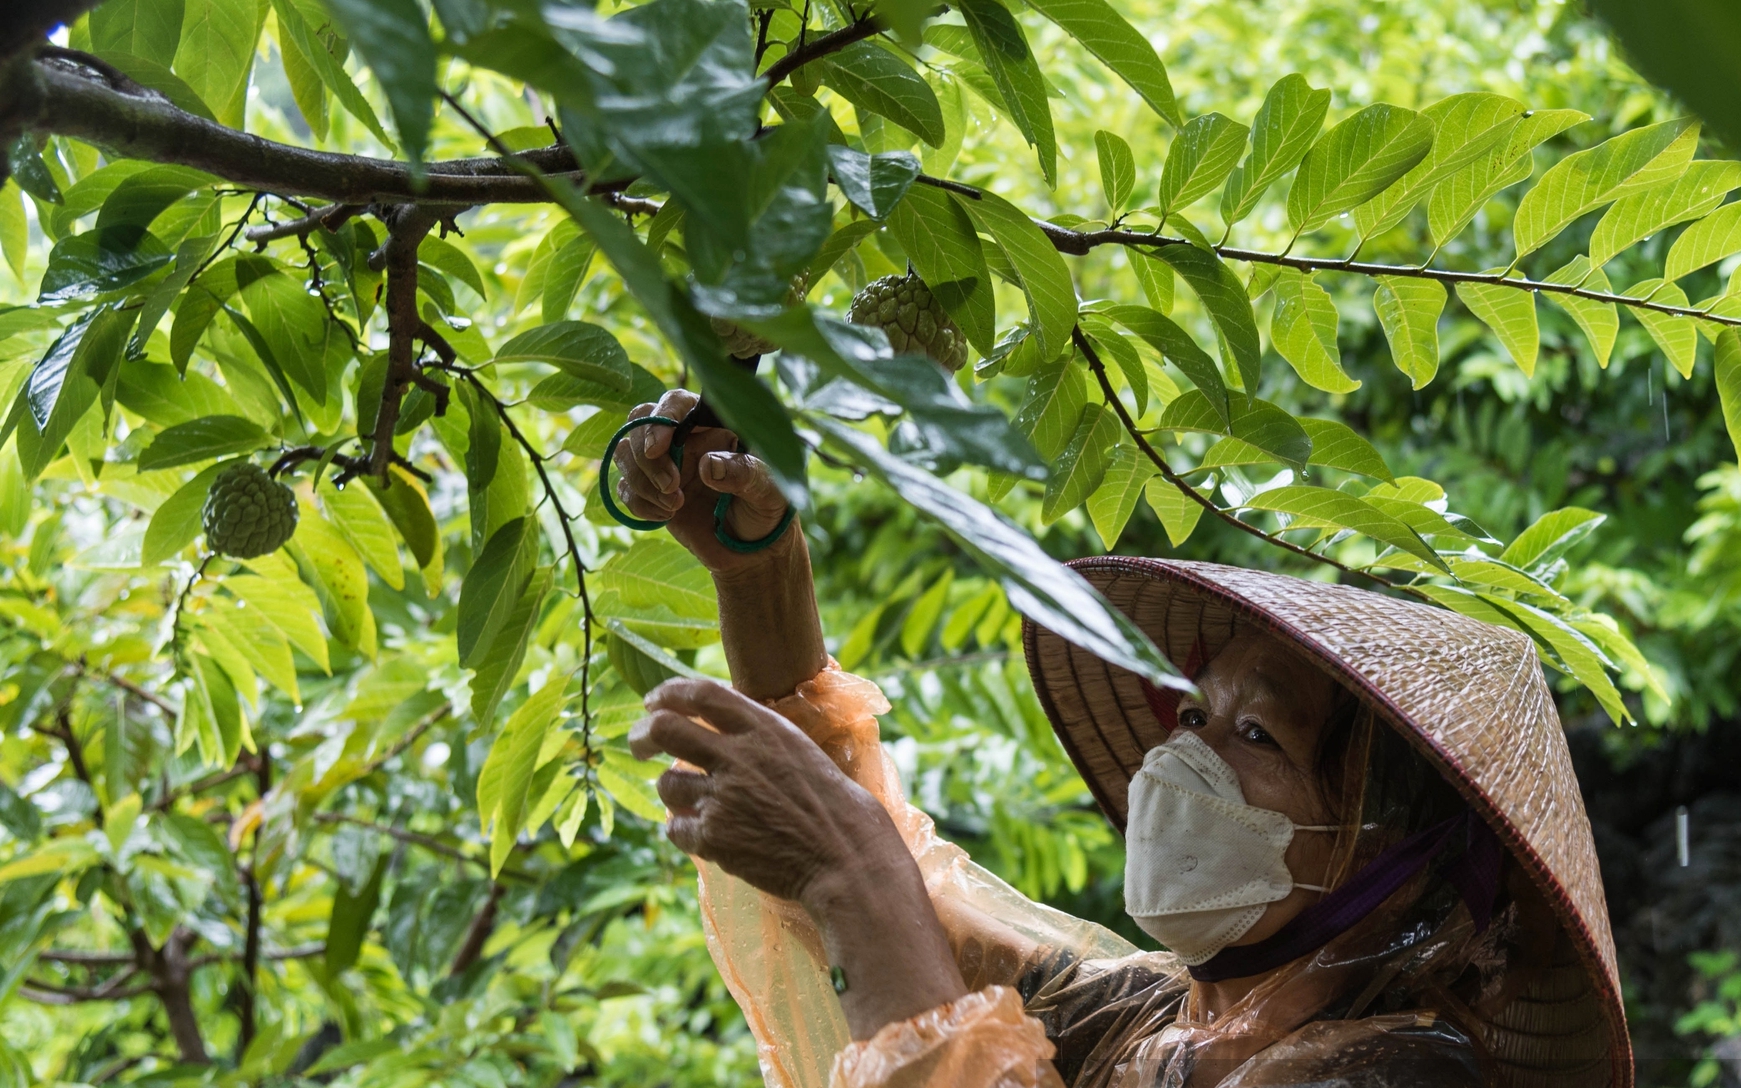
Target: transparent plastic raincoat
[{"x": 1406, "y": 997}]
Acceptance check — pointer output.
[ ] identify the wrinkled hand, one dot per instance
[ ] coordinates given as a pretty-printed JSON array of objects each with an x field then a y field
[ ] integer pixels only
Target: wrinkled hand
[
  {"x": 772, "y": 809},
  {"x": 651, "y": 486}
]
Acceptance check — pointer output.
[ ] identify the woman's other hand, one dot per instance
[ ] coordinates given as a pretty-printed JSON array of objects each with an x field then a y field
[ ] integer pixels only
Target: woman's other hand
[
  {"x": 771, "y": 809},
  {"x": 650, "y": 486}
]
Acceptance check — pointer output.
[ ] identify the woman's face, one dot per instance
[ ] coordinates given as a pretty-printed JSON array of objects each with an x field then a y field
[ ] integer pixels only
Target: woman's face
[{"x": 1264, "y": 711}]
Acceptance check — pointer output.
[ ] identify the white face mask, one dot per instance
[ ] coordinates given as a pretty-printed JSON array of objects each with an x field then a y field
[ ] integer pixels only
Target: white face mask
[{"x": 1200, "y": 864}]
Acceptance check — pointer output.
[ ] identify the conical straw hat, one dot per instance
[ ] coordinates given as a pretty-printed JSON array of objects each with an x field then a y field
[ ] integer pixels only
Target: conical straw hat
[{"x": 1472, "y": 698}]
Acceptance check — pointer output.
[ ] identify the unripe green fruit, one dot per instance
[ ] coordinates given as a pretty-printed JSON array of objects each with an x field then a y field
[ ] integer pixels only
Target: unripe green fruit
[
  {"x": 247, "y": 513},
  {"x": 743, "y": 343},
  {"x": 906, "y": 310}
]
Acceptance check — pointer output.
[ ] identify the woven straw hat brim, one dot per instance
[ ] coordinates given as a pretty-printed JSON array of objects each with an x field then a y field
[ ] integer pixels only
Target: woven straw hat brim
[{"x": 1469, "y": 695}]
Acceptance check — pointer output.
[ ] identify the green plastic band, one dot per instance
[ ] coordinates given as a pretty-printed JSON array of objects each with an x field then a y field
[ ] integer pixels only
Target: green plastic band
[
  {"x": 604, "y": 471},
  {"x": 720, "y": 533}
]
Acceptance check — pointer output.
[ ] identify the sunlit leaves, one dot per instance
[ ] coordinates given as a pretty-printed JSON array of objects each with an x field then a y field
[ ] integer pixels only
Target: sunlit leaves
[
  {"x": 393, "y": 36},
  {"x": 1304, "y": 331},
  {"x": 1510, "y": 313},
  {"x": 1082, "y": 464},
  {"x": 1629, "y": 163},
  {"x": 1127, "y": 475},
  {"x": 1705, "y": 242},
  {"x": 1117, "y": 169},
  {"x": 584, "y": 350},
  {"x": 200, "y": 440},
  {"x": 1355, "y": 161},
  {"x": 1045, "y": 279},
  {"x": 1054, "y": 403},
  {"x": 1408, "y": 309},
  {"x": 1257, "y": 422},
  {"x": 874, "y": 79},
  {"x": 1003, "y": 49},
  {"x": 1228, "y": 305},
  {"x": 1599, "y": 320},
  {"x": 1119, "y": 46},
  {"x": 1465, "y": 127},
  {"x": 216, "y": 53},
  {"x": 1176, "y": 345},
  {"x": 1729, "y": 382},
  {"x": 1322, "y": 507},
  {"x": 312, "y": 48},
  {"x": 1455, "y": 200},
  {"x": 506, "y": 776},
  {"x": 1693, "y": 195},
  {"x": 1288, "y": 121},
  {"x": 1673, "y": 333},
  {"x": 1199, "y": 159}
]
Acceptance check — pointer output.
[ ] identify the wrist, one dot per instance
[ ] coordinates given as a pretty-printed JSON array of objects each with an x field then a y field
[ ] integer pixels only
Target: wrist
[{"x": 741, "y": 570}]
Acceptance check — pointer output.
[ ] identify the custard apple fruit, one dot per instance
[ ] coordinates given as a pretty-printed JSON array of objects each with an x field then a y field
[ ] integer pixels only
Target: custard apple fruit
[
  {"x": 743, "y": 343},
  {"x": 905, "y": 309},
  {"x": 247, "y": 513}
]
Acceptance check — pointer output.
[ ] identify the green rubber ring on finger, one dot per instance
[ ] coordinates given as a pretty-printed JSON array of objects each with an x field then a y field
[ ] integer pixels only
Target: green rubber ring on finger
[
  {"x": 746, "y": 547},
  {"x": 604, "y": 472}
]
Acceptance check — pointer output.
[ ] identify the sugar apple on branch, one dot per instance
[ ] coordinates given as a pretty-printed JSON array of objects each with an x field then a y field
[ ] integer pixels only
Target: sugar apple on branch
[
  {"x": 247, "y": 513},
  {"x": 741, "y": 342},
  {"x": 906, "y": 310}
]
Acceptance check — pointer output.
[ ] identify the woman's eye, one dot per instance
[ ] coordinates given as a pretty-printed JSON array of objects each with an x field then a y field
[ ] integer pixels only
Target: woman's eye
[
  {"x": 1255, "y": 733},
  {"x": 1192, "y": 718}
]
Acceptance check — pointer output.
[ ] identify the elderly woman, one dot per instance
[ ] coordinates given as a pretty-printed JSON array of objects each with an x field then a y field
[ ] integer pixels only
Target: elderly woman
[{"x": 1360, "y": 840}]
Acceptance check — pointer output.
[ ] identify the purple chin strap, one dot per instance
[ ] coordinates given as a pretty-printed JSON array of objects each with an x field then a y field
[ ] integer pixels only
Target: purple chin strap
[{"x": 1474, "y": 873}]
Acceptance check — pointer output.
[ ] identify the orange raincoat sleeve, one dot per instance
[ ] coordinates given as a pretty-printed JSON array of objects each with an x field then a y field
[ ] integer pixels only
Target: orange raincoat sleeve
[{"x": 771, "y": 957}]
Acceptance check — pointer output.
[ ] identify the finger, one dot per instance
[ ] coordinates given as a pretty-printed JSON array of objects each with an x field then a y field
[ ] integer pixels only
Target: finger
[
  {"x": 672, "y": 733},
  {"x": 645, "y": 509},
  {"x": 684, "y": 829},
  {"x": 682, "y": 791},
  {"x": 675, "y": 404},
  {"x": 641, "y": 411},
  {"x": 635, "y": 482},
  {"x": 745, "y": 476},
  {"x": 726, "y": 710}
]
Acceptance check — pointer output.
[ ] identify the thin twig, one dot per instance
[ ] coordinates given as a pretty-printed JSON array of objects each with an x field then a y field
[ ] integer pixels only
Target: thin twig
[
  {"x": 1166, "y": 470},
  {"x": 128, "y": 686},
  {"x": 817, "y": 48},
  {"x": 329, "y": 218},
  {"x": 433, "y": 845}
]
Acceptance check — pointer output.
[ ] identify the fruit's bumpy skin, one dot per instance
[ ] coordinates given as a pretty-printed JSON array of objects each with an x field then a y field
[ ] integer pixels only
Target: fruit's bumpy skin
[
  {"x": 247, "y": 513},
  {"x": 740, "y": 341},
  {"x": 904, "y": 308}
]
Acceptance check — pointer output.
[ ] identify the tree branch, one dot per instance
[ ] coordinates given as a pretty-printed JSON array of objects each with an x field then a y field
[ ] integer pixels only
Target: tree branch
[
  {"x": 427, "y": 842},
  {"x": 1094, "y": 364},
  {"x": 817, "y": 48},
  {"x": 478, "y": 934},
  {"x": 406, "y": 228}
]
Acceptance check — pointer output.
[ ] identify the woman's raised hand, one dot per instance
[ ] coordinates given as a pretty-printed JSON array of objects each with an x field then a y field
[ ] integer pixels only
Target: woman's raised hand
[
  {"x": 771, "y": 808},
  {"x": 651, "y": 486}
]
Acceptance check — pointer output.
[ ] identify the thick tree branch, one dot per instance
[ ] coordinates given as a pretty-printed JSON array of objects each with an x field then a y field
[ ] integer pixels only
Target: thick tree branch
[
  {"x": 406, "y": 228},
  {"x": 817, "y": 48},
  {"x": 478, "y": 934}
]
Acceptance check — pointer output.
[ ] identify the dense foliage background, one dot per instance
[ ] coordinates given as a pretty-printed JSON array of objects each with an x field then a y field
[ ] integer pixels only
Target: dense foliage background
[{"x": 321, "y": 831}]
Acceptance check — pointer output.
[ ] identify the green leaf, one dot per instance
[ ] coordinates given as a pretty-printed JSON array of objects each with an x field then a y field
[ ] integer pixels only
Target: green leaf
[
  {"x": 393, "y": 37},
  {"x": 1408, "y": 309},
  {"x": 1082, "y": 466},
  {"x": 1045, "y": 278},
  {"x": 938, "y": 237},
  {"x": 200, "y": 440},
  {"x": 1176, "y": 345},
  {"x": 158, "y": 77},
  {"x": 1110, "y": 342},
  {"x": 1550, "y": 537},
  {"x": 24, "y": 164},
  {"x": 1693, "y": 195},
  {"x": 1201, "y": 156},
  {"x": 450, "y": 260},
  {"x": 77, "y": 371},
  {"x": 1178, "y": 512},
  {"x": 20, "y": 817},
  {"x": 1053, "y": 404},
  {"x": 1228, "y": 306},
  {"x": 1336, "y": 445},
  {"x": 1325, "y": 508},
  {"x": 584, "y": 350},
  {"x": 493, "y": 586},
  {"x": 1113, "y": 502},
  {"x": 499, "y": 667},
  {"x": 140, "y": 198},
  {"x": 216, "y": 53},
  {"x": 922, "y": 617},
  {"x": 1003, "y": 49},
  {"x": 1465, "y": 127},
  {"x": 1304, "y": 330},
  {"x": 145, "y": 28},
  {"x": 288, "y": 604},
  {"x": 356, "y": 515},
  {"x": 407, "y": 504},
  {"x": 262, "y": 645},
  {"x": 1674, "y": 334},
  {"x": 176, "y": 523},
  {"x": 658, "y": 571},
  {"x": 872, "y": 78},
  {"x": 1455, "y": 200},
  {"x": 1705, "y": 242},
  {"x": 66, "y": 857},
  {"x": 99, "y": 261},
  {"x": 1572, "y": 651},
  {"x": 1119, "y": 46},
  {"x": 1154, "y": 277},
  {"x": 1037, "y": 585},
  {"x": 626, "y": 780},
  {"x": 1288, "y": 121},
  {"x": 1629, "y": 163},
  {"x": 1729, "y": 382},
  {"x": 874, "y": 183},
  {"x": 328, "y": 67},
  {"x": 1599, "y": 320},
  {"x": 350, "y": 920},
  {"x": 343, "y": 583},
  {"x": 293, "y": 323},
  {"x": 1510, "y": 313},
  {"x": 1257, "y": 422},
  {"x": 14, "y": 228},
  {"x": 1117, "y": 169},
  {"x": 509, "y": 766},
  {"x": 1355, "y": 161}
]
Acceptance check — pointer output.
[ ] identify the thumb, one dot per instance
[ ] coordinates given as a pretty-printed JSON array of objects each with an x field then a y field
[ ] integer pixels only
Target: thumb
[{"x": 746, "y": 477}]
